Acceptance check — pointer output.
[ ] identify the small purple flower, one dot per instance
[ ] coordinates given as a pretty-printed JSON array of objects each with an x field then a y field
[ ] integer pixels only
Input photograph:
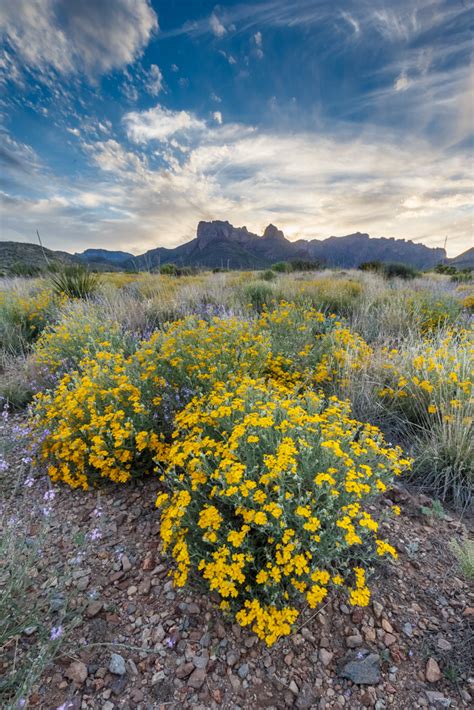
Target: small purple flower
[
  {"x": 29, "y": 482},
  {"x": 49, "y": 495},
  {"x": 95, "y": 534},
  {"x": 56, "y": 633},
  {"x": 26, "y": 460},
  {"x": 4, "y": 466}
]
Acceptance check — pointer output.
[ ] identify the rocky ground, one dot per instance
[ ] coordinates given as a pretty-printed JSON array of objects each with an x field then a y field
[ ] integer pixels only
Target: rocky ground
[{"x": 140, "y": 644}]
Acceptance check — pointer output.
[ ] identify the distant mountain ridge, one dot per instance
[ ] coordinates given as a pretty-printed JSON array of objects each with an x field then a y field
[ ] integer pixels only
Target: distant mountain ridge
[{"x": 220, "y": 244}]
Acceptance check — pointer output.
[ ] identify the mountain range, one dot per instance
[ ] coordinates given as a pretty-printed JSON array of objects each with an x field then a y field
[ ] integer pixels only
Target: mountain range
[{"x": 220, "y": 244}]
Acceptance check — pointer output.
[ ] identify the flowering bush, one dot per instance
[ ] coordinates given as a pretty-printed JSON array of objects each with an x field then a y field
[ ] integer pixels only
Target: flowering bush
[
  {"x": 308, "y": 346},
  {"x": 22, "y": 318},
  {"x": 98, "y": 422},
  {"x": 268, "y": 497},
  {"x": 81, "y": 332},
  {"x": 428, "y": 387},
  {"x": 193, "y": 353}
]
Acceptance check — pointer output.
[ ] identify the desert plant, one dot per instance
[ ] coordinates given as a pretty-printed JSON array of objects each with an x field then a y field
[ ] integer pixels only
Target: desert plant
[
  {"x": 75, "y": 281},
  {"x": 464, "y": 552},
  {"x": 267, "y": 501}
]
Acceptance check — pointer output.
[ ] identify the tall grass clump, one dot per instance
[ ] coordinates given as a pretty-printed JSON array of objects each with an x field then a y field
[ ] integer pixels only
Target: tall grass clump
[
  {"x": 426, "y": 390},
  {"x": 23, "y": 316}
]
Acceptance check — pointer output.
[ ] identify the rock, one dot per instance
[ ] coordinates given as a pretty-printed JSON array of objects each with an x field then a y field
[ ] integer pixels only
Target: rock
[
  {"x": 294, "y": 688},
  {"x": 325, "y": 657},
  {"x": 201, "y": 661},
  {"x": 232, "y": 658},
  {"x": 184, "y": 670},
  {"x": 94, "y": 608},
  {"x": 354, "y": 641},
  {"x": 389, "y": 639},
  {"x": 444, "y": 645},
  {"x": 82, "y": 583},
  {"x": 437, "y": 699},
  {"x": 117, "y": 664},
  {"x": 243, "y": 671},
  {"x": 77, "y": 672},
  {"x": 407, "y": 629},
  {"x": 432, "y": 672},
  {"x": 387, "y": 626},
  {"x": 307, "y": 697},
  {"x": 126, "y": 564},
  {"x": 108, "y": 705},
  {"x": 361, "y": 667},
  {"x": 197, "y": 678},
  {"x": 378, "y": 609}
]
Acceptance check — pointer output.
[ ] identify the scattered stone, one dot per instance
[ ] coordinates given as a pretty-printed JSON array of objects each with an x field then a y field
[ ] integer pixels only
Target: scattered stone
[
  {"x": 201, "y": 661},
  {"x": 197, "y": 678},
  {"x": 77, "y": 672},
  {"x": 243, "y": 671},
  {"x": 294, "y": 688},
  {"x": 117, "y": 664},
  {"x": 354, "y": 641},
  {"x": 232, "y": 659},
  {"x": 94, "y": 608},
  {"x": 184, "y": 670},
  {"x": 82, "y": 583},
  {"x": 444, "y": 645},
  {"x": 432, "y": 672},
  {"x": 361, "y": 667},
  {"x": 437, "y": 699},
  {"x": 407, "y": 629},
  {"x": 378, "y": 609},
  {"x": 389, "y": 639},
  {"x": 126, "y": 564},
  {"x": 325, "y": 657}
]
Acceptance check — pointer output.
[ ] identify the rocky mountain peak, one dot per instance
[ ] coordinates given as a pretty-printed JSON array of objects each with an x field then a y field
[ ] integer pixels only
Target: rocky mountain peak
[{"x": 272, "y": 232}]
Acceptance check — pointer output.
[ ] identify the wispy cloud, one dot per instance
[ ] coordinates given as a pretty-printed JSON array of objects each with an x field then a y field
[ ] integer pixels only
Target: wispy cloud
[{"x": 310, "y": 185}]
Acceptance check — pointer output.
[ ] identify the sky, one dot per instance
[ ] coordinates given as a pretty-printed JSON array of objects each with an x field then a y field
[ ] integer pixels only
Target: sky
[{"x": 124, "y": 123}]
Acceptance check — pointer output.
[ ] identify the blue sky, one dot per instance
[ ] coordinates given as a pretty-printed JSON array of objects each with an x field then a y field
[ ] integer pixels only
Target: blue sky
[{"x": 124, "y": 123}]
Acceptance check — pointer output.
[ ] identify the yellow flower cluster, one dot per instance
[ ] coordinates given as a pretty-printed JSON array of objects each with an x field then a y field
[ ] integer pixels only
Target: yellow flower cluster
[
  {"x": 96, "y": 424},
  {"x": 432, "y": 381},
  {"x": 268, "y": 493},
  {"x": 27, "y": 315}
]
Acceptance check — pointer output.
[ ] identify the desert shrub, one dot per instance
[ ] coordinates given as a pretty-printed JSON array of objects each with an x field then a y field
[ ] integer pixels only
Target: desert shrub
[
  {"x": 75, "y": 281},
  {"x": 192, "y": 354},
  {"x": 309, "y": 347},
  {"x": 375, "y": 266},
  {"x": 258, "y": 295},
  {"x": 468, "y": 303},
  {"x": 82, "y": 331},
  {"x": 434, "y": 311},
  {"x": 267, "y": 501},
  {"x": 268, "y": 275},
  {"x": 23, "y": 317},
  {"x": 399, "y": 271},
  {"x": 99, "y": 422},
  {"x": 427, "y": 386},
  {"x": 305, "y": 265},
  {"x": 464, "y": 552},
  {"x": 340, "y": 296},
  {"x": 282, "y": 267}
]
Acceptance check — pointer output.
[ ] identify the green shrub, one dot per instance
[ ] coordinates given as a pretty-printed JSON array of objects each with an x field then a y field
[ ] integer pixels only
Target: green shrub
[
  {"x": 282, "y": 267},
  {"x": 268, "y": 275},
  {"x": 399, "y": 271},
  {"x": 258, "y": 295}
]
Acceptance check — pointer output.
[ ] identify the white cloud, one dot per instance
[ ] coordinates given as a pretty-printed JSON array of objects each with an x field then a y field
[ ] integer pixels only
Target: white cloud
[
  {"x": 310, "y": 185},
  {"x": 74, "y": 131},
  {"x": 401, "y": 83},
  {"x": 159, "y": 123},
  {"x": 154, "y": 80},
  {"x": 70, "y": 36},
  {"x": 217, "y": 116},
  {"x": 217, "y": 28},
  {"x": 258, "y": 39}
]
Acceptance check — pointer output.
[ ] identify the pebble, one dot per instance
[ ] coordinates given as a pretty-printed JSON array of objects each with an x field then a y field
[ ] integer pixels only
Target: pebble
[
  {"x": 117, "y": 664},
  {"x": 325, "y": 657},
  {"x": 94, "y": 608},
  {"x": 354, "y": 641},
  {"x": 77, "y": 672},
  {"x": 197, "y": 678},
  {"x": 432, "y": 672},
  {"x": 243, "y": 671}
]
